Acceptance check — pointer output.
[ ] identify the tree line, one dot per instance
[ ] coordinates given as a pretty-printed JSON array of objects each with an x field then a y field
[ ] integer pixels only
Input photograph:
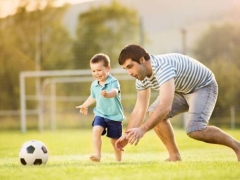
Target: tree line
[{"x": 37, "y": 40}]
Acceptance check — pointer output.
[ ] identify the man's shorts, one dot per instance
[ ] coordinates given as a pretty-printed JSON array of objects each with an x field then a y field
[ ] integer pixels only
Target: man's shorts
[
  {"x": 199, "y": 106},
  {"x": 113, "y": 128}
]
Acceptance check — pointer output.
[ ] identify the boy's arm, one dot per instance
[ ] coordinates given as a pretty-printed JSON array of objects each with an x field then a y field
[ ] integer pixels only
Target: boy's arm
[
  {"x": 110, "y": 94},
  {"x": 90, "y": 100},
  {"x": 84, "y": 107}
]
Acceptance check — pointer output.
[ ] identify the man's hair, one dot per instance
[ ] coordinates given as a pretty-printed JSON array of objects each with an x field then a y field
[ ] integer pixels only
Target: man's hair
[
  {"x": 134, "y": 52},
  {"x": 101, "y": 58}
]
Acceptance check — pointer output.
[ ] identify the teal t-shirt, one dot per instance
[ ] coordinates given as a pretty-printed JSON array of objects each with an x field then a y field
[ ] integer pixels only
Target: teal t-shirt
[{"x": 110, "y": 108}]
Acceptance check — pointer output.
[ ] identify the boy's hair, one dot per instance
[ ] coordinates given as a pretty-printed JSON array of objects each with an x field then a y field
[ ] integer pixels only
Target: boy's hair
[
  {"x": 134, "y": 52},
  {"x": 101, "y": 58}
]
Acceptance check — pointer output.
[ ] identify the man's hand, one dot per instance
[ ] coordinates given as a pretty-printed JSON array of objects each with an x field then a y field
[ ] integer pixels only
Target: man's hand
[
  {"x": 121, "y": 142},
  {"x": 134, "y": 135}
]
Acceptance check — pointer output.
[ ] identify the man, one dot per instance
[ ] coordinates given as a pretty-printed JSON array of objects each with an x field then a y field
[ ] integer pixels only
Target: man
[{"x": 184, "y": 85}]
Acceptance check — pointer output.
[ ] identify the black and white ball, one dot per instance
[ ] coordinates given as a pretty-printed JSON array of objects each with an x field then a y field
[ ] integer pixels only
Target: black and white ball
[{"x": 33, "y": 153}]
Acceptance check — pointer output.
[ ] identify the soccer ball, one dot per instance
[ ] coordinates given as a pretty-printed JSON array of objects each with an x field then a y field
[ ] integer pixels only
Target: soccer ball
[{"x": 33, "y": 153}]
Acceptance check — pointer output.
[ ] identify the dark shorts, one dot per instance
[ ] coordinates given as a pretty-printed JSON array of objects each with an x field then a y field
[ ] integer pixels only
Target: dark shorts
[
  {"x": 199, "y": 106},
  {"x": 112, "y": 128}
]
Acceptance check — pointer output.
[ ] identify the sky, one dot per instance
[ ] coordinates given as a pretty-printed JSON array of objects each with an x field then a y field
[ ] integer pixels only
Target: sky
[{"x": 8, "y": 7}]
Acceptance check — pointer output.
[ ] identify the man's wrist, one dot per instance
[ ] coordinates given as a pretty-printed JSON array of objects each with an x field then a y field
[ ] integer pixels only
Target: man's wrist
[{"x": 143, "y": 128}]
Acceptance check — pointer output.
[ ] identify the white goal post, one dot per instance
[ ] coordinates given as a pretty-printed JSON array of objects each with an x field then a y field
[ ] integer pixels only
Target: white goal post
[{"x": 53, "y": 77}]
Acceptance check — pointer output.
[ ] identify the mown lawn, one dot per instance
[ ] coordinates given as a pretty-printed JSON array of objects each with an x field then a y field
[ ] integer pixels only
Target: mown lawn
[{"x": 69, "y": 151}]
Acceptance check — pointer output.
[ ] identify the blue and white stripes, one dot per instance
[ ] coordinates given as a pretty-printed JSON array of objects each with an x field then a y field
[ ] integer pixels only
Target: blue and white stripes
[{"x": 188, "y": 73}]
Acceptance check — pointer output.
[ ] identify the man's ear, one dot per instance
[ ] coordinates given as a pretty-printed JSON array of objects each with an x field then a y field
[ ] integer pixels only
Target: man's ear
[{"x": 142, "y": 60}]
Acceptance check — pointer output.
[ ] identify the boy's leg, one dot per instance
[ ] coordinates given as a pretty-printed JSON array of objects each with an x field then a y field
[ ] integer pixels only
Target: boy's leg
[
  {"x": 118, "y": 154},
  {"x": 99, "y": 126},
  {"x": 97, "y": 143},
  {"x": 114, "y": 131}
]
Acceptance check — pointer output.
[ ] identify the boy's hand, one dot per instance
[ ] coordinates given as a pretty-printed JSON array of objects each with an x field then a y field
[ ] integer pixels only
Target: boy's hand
[
  {"x": 104, "y": 93},
  {"x": 83, "y": 110}
]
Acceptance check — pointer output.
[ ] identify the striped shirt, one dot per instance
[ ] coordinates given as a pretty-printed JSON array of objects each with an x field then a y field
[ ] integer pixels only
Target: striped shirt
[{"x": 188, "y": 73}]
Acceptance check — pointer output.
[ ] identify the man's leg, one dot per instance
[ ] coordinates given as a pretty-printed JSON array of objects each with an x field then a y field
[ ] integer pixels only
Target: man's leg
[
  {"x": 165, "y": 132},
  {"x": 215, "y": 135},
  {"x": 164, "y": 129},
  {"x": 201, "y": 104}
]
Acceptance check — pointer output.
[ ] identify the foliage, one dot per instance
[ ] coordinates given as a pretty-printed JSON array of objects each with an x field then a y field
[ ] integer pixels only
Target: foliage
[
  {"x": 227, "y": 75},
  {"x": 219, "y": 42},
  {"x": 29, "y": 41},
  {"x": 104, "y": 29},
  {"x": 219, "y": 48},
  {"x": 40, "y": 35},
  {"x": 12, "y": 62}
]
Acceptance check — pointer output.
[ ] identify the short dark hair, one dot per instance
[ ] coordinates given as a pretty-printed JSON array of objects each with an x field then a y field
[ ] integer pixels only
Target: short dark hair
[
  {"x": 101, "y": 57},
  {"x": 134, "y": 52}
]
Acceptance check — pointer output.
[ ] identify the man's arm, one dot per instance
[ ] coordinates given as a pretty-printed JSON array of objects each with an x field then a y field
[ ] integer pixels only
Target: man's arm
[
  {"x": 166, "y": 95},
  {"x": 139, "y": 112},
  {"x": 137, "y": 116}
]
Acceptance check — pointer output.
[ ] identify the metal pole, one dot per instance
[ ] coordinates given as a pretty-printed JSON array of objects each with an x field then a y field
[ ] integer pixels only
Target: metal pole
[
  {"x": 141, "y": 31},
  {"x": 232, "y": 111},
  {"x": 23, "y": 103},
  {"x": 53, "y": 106},
  {"x": 38, "y": 59},
  {"x": 184, "y": 51},
  {"x": 184, "y": 41}
]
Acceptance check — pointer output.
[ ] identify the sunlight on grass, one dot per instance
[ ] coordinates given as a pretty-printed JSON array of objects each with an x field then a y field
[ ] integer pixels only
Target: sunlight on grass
[{"x": 69, "y": 152}]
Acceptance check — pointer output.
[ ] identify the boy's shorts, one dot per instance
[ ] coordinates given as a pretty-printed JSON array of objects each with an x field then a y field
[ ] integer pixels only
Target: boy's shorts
[
  {"x": 199, "y": 106},
  {"x": 113, "y": 128}
]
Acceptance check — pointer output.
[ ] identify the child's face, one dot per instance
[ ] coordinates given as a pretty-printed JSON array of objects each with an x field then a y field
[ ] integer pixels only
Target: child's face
[{"x": 99, "y": 71}]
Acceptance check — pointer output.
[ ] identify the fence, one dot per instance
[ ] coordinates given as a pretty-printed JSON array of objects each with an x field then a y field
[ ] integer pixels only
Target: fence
[{"x": 52, "y": 109}]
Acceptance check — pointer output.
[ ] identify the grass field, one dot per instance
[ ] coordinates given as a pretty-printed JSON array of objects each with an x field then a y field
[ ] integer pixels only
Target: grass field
[{"x": 69, "y": 151}]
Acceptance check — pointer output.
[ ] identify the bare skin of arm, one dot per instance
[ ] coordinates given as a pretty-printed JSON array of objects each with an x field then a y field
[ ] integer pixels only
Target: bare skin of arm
[
  {"x": 166, "y": 94},
  {"x": 109, "y": 94},
  {"x": 137, "y": 116},
  {"x": 84, "y": 107}
]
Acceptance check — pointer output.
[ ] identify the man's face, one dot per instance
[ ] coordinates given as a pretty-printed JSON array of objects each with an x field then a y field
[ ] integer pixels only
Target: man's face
[{"x": 135, "y": 69}]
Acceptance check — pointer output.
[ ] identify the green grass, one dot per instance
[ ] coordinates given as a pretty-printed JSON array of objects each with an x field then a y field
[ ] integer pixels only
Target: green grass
[{"x": 69, "y": 151}]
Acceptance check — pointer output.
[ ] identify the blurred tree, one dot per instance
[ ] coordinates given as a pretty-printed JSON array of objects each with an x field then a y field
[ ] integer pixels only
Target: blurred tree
[
  {"x": 105, "y": 29},
  {"x": 219, "y": 48},
  {"x": 228, "y": 76},
  {"x": 31, "y": 39},
  {"x": 11, "y": 62},
  {"x": 220, "y": 42},
  {"x": 39, "y": 34}
]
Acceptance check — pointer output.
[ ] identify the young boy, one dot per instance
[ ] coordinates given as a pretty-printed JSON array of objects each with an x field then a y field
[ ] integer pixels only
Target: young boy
[{"x": 105, "y": 91}]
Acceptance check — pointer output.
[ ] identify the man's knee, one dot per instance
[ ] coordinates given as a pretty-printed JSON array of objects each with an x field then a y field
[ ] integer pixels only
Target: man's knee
[
  {"x": 194, "y": 127},
  {"x": 192, "y": 134},
  {"x": 150, "y": 113}
]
